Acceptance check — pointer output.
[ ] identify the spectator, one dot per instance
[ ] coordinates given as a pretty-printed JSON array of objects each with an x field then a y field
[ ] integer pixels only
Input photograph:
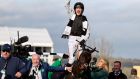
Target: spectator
[
  {"x": 39, "y": 70},
  {"x": 133, "y": 74},
  {"x": 117, "y": 72},
  {"x": 58, "y": 62},
  {"x": 101, "y": 71},
  {"x": 9, "y": 65}
]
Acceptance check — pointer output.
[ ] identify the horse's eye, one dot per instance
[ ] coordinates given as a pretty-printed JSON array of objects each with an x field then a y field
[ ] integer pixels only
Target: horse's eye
[{"x": 86, "y": 64}]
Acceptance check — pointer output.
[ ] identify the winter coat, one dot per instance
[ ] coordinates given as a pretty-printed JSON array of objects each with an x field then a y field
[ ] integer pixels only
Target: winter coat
[
  {"x": 44, "y": 68},
  {"x": 119, "y": 76},
  {"x": 99, "y": 74},
  {"x": 14, "y": 65}
]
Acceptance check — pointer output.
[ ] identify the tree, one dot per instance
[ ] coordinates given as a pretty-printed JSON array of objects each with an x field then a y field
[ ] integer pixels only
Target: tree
[{"x": 105, "y": 48}]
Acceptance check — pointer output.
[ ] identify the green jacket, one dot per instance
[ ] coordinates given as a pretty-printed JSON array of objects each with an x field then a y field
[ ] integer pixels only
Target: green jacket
[
  {"x": 58, "y": 62},
  {"x": 99, "y": 74}
]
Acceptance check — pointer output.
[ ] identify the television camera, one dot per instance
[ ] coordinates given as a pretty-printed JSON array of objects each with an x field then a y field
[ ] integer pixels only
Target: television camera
[{"x": 19, "y": 50}]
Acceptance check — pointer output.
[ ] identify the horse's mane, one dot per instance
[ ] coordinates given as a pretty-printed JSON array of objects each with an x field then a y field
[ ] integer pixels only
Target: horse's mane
[{"x": 85, "y": 57}]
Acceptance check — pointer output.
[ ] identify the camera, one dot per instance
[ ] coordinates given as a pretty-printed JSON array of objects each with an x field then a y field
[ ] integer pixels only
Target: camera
[{"x": 19, "y": 50}]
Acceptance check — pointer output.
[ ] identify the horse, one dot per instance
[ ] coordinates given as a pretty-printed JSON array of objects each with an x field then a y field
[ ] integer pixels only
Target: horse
[{"x": 81, "y": 66}]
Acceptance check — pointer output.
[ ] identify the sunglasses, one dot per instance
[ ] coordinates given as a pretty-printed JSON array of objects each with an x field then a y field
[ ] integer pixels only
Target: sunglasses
[{"x": 5, "y": 50}]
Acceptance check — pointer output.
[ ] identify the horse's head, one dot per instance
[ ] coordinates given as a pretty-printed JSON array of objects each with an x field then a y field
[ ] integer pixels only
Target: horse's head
[
  {"x": 85, "y": 56},
  {"x": 82, "y": 64},
  {"x": 84, "y": 59}
]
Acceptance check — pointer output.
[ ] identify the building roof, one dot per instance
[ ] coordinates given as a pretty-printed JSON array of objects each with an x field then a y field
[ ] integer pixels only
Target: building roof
[{"x": 37, "y": 36}]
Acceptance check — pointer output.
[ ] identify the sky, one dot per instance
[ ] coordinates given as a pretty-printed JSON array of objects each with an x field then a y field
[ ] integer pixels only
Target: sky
[{"x": 115, "y": 20}]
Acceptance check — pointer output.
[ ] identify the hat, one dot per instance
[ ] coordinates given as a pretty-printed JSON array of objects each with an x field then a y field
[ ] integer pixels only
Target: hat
[
  {"x": 6, "y": 47},
  {"x": 79, "y": 4}
]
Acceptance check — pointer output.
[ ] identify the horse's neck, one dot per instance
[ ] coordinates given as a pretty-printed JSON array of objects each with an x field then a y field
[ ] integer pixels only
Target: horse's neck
[{"x": 76, "y": 68}]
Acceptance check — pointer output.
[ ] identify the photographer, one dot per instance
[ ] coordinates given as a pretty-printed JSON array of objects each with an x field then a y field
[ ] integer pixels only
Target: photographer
[{"x": 9, "y": 65}]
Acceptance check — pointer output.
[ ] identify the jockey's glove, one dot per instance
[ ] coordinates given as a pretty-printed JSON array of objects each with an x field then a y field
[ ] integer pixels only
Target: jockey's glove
[{"x": 82, "y": 43}]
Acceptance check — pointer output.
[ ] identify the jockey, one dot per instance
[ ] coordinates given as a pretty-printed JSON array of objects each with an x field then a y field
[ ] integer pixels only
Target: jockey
[{"x": 76, "y": 30}]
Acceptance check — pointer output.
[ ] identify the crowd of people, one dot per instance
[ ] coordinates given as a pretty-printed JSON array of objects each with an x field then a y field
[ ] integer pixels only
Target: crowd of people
[
  {"x": 13, "y": 67},
  {"x": 102, "y": 70}
]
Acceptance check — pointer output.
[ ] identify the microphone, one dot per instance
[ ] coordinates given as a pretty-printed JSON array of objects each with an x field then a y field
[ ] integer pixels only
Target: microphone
[{"x": 22, "y": 40}]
